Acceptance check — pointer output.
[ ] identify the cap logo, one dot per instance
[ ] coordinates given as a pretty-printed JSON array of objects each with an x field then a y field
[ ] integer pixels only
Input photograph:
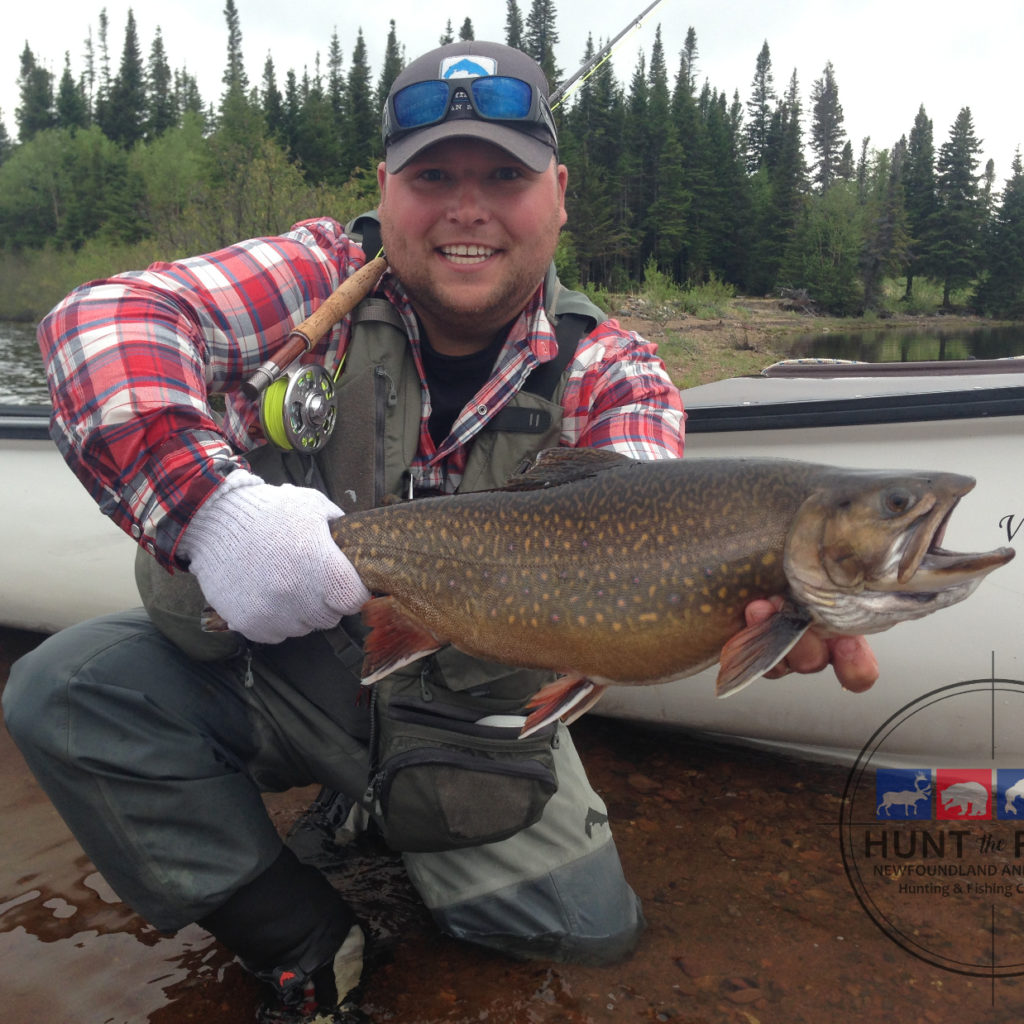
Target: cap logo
[{"x": 468, "y": 66}]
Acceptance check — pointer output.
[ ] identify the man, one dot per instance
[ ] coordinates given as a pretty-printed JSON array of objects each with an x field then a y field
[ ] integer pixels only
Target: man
[{"x": 154, "y": 740}]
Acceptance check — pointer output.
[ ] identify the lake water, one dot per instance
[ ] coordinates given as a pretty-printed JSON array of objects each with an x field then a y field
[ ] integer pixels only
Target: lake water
[
  {"x": 891, "y": 345},
  {"x": 22, "y": 381}
]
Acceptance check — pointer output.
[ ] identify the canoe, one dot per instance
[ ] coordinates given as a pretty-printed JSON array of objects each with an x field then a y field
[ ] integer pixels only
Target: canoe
[{"x": 63, "y": 560}]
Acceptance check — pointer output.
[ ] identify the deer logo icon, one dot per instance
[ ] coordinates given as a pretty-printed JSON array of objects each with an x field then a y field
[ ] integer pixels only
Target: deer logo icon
[{"x": 906, "y": 798}]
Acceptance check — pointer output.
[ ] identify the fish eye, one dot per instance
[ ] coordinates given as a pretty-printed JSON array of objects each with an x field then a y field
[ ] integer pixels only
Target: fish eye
[{"x": 898, "y": 500}]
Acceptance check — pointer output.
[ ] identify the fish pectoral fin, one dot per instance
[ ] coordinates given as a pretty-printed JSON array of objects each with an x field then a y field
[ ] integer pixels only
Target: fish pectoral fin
[
  {"x": 396, "y": 638},
  {"x": 754, "y": 650},
  {"x": 570, "y": 693}
]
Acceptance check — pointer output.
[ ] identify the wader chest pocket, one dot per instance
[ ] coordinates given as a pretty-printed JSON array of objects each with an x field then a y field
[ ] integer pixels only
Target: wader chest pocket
[{"x": 444, "y": 778}]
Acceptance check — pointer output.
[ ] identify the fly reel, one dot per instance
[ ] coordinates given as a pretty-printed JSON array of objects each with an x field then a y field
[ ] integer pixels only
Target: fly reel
[{"x": 298, "y": 411}]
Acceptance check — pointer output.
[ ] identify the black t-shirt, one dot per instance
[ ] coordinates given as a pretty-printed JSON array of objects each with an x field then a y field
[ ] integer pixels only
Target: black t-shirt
[{"x": 453, "y": 381}]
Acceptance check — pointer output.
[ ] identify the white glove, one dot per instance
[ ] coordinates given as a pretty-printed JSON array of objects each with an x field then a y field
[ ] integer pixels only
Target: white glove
[{"x": 266, "y": 561}]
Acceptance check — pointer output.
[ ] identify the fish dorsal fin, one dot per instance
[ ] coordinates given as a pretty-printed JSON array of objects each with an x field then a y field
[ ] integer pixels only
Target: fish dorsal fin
[{"x": 555, "y": 466}]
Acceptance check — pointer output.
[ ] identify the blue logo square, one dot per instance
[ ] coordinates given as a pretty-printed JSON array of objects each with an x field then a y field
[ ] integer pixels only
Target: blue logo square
[
  {"x": 1009, "y": 795},
  {"x": 903, "y": 793}
]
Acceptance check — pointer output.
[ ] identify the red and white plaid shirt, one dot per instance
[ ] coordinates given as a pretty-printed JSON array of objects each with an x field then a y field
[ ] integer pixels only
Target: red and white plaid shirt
[{"x": 132, "y": 360}]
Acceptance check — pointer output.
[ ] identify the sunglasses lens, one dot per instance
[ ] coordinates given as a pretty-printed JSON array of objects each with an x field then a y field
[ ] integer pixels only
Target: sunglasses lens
[
  {"x": 502, "y": 98},
  {"x": 421, "y": 103}
]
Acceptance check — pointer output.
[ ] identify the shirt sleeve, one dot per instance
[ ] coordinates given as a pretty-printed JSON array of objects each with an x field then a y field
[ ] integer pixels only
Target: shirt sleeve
[
  {"x": 132, "y": 360},
  {"x": 619, "y": 395}
]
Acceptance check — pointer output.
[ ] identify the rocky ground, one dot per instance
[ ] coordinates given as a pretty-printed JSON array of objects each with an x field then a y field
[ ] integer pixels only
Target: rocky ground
[{"x": 735, "y": 855}]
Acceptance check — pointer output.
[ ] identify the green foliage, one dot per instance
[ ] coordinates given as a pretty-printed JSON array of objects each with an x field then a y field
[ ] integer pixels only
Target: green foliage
[
  {"x": 829, "y": 243},
  {"x": 666, "y": 183}
]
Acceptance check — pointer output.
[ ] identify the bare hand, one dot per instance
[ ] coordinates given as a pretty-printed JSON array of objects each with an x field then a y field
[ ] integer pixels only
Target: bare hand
[{"x": 851, "y": 657}]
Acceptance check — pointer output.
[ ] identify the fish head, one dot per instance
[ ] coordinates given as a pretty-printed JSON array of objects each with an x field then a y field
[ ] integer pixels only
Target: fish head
[{"x": 865, "y": 549}]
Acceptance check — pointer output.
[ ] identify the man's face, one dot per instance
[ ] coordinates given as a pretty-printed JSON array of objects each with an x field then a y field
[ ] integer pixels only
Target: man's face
[{"x": 470, "y": 232}]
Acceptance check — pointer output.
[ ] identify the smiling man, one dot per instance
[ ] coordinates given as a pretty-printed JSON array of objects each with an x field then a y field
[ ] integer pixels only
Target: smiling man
[{"x": 155, "y": 740}]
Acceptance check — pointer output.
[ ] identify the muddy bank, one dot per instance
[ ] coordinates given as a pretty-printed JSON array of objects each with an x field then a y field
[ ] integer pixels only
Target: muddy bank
[{"x": 735, "y": 855}]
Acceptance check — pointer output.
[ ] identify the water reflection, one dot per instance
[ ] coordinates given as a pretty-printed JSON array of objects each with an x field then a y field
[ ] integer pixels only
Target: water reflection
[
  {"x": 22, "y": 379},
  {"x": 898, "y": 346}
]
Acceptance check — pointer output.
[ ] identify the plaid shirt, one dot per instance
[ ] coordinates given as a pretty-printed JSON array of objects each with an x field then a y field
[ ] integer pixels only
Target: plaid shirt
[{"x": 132, "y": 360}]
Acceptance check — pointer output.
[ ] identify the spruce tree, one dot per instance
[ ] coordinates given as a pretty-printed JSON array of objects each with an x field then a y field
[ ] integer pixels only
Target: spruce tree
[
  {"x": 886, "y": 247},
  {"x": 72, "y": 107},
  {"x": 541, "y": 38},
  {"x": 961, "y": 219},
  {"x": 363, "y": 139},
  {"x": 921, "y": 199},
  {"x": 124, "y": 115},
  {"x": 35, "y": 91},
  {"x": 759, "y": 110},
  {"x": 513, "y": 25},
  {"x": 828, "y": 136},
  {"x": 448, "y": 35},
  {"x": 161, "y": 112},
  {"x": 6, "y": 146},
  {"x": 466, "y": 32},
  {"x": 1001, "y": 292},
  {"x": 390, "y": 68},
  {"x": 272, "y": 104}
]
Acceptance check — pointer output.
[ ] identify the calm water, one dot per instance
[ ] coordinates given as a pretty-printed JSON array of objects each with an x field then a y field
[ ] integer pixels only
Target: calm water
[
  {"x": 896, "y": 346},
  {"x": 22, "y": 381}
]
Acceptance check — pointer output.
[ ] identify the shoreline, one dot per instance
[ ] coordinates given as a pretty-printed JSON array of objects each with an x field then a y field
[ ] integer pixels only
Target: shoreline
[{"x": 754, "y": 332}]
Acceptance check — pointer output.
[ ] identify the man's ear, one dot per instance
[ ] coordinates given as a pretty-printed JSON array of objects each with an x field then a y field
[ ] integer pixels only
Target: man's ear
[{"x": 382, "y": 175}]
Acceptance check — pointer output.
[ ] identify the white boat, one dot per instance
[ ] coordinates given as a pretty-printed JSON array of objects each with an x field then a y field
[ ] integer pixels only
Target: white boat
[{"x": 63, "y": 560}]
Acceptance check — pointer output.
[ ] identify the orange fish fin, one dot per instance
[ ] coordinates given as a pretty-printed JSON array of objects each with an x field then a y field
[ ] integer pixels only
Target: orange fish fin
[
  {"x": 754, "y": 650},
  {"x": 556, "y": 699},
  {"x": 396, "y": 638}
]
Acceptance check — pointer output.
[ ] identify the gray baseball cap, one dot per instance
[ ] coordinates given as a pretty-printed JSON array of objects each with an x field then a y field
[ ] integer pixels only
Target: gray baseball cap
[{"x": 450, "y": 106}]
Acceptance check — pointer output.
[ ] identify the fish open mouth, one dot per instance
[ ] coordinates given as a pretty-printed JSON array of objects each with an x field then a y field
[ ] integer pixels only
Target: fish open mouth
[{"x": 927, "y": 567}]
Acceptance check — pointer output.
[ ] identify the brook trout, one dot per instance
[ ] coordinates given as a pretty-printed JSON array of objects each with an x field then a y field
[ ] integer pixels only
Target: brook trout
[{"x": 611, "y": 571}]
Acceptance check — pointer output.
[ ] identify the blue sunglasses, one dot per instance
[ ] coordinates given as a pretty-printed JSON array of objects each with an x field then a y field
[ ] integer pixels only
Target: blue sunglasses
[{"x": 493, "y": 98}]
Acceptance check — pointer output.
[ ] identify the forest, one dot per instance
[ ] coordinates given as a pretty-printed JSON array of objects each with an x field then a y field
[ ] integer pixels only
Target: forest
[{"x": 122, "y": 162}]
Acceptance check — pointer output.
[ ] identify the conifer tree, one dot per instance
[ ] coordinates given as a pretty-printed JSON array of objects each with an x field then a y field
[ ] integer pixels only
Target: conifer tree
[
  {"x": 272, "y": 104},
  {"x": 665, "y": 212},
  {"x": 390, "y": 68},
  {"x": 236, "y": 81},
  {"x": 1001, "y": 292},
  {"x": 363, "y": 139},
  {"x": 886, "y": 246},
  {"x": 448, "y": 36},
  {"x": 72, "y": 107},
  {"x": 589, "y": 142},
  {"x": 958, "y": 237},
  {"x": 921, "y": 199},
  {"x": 827, "y": 132},
  {"x": 124, "y": 114},
  {"x": 541, "y": 38},
  {"x": 513, "y": 25},
  {"x": 466, "y": 32},
  {"x": 161, "y": 112},
  {"x": 6, "y": 146},
  {"x": 35, "y": 91},
  {"x": 759, "y": 110}
]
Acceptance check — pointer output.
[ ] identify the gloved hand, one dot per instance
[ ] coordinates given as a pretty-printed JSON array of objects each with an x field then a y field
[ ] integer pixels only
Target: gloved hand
[{"x": 266, "y": 561}]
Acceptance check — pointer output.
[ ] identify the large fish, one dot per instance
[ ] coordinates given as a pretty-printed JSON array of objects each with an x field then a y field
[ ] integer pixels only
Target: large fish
[{"x": 611, "y": 571}]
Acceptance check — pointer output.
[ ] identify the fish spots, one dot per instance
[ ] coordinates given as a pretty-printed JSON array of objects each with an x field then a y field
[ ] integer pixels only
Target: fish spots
[
  {"x": 705, "y": 608},
  {"x": 768, "y": 558}
]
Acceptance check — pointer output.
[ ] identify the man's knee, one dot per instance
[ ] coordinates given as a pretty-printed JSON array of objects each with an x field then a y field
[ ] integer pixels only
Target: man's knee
[{"x": 32, "y": 700}]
